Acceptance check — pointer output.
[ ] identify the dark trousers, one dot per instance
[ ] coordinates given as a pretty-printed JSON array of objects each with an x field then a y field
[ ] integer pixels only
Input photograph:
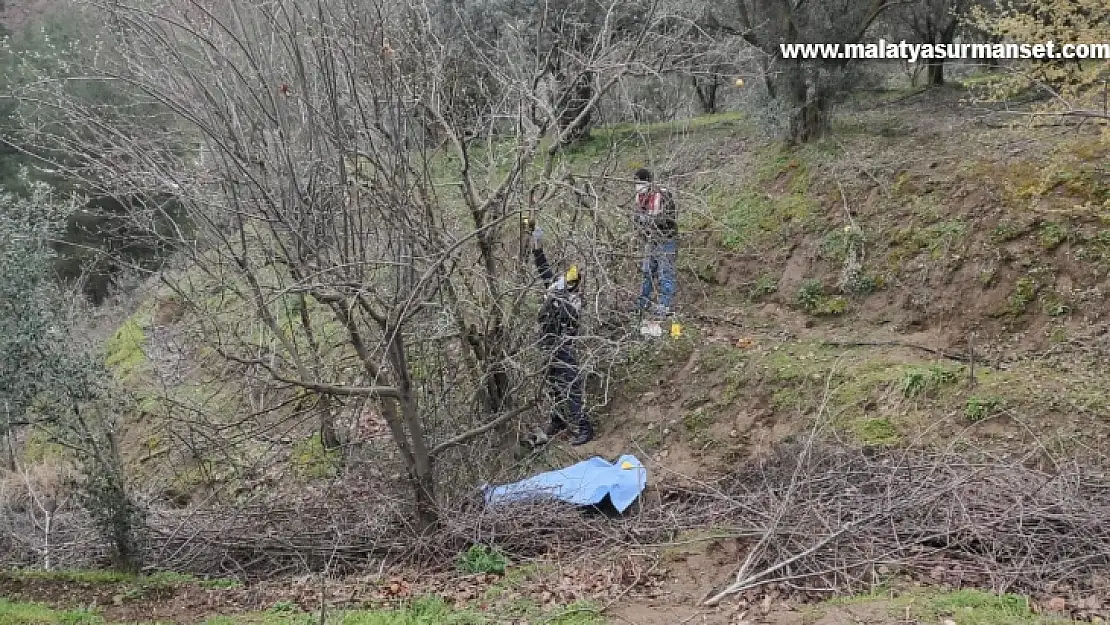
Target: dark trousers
[{"x": 564, "y": 389}]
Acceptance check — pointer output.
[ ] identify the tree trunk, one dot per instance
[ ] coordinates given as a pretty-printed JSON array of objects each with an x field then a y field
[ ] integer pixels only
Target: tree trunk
[
  {"x": 935, "y": 69},
  {"x": 120, "y": 508},
  {"x": 421, "y": 464},
  {"x": 575, "y": 119},
  {"x": 808, "y": 123},
  {"x": 10, "y": 445},
  {"x": 423, "y": 488},
  {"x": 936, "y": 66},
  {"x": 809, "y": 117},
  {"x": 706, "y": 90},
  {"x": 491, "y": 348},
  {"x": 118, "y": 515},
  {"x": 329, "y": 439}
]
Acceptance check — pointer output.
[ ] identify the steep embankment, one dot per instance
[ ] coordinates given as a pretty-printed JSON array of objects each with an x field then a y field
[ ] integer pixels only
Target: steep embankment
[{"x": 863, "y": 271}]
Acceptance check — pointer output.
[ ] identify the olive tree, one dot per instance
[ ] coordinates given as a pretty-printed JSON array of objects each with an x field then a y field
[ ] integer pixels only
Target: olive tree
[
  {"x": 49, "y": 378},
  {"x": 808, "y": 87}
]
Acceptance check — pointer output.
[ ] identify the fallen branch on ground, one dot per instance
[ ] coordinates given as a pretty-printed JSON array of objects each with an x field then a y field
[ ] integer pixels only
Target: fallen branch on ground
[{"x": 950, "y": 356}]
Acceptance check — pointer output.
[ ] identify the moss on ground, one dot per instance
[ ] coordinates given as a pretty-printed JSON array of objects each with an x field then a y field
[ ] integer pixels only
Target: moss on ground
[{"x": 124, "y": 352}]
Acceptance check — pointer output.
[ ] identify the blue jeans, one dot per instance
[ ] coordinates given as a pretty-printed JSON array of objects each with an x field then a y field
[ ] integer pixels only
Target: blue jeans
[{"x": 659, "y": 261}]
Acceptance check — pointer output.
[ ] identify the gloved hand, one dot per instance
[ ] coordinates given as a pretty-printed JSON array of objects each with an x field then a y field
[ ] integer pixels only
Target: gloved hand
[{"x": 537, "y": 237}]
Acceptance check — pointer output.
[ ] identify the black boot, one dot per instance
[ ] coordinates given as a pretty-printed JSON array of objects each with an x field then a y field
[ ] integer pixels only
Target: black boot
[
  {"x": 585, "y": 435},
  {"x": 554, "y": 427}
]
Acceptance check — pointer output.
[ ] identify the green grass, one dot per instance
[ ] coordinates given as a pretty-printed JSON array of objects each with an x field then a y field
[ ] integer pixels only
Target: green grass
[
  {"x": 424, "y": 611},
  {"x": 88, "y": 577},
  {"x": 482, "y": 559},
  {"x": 136, "y": 584},
  {"x": 18, "y": 613},
  {"x": 965, "y": 607},
  {"x": 975, "y": 607},
  {"x": 626, "y": 139},
  {"x": 878, "y": 431}
]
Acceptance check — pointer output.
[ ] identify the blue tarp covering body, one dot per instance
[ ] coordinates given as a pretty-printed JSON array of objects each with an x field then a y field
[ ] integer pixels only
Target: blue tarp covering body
[{"x": 583, "y": 484}]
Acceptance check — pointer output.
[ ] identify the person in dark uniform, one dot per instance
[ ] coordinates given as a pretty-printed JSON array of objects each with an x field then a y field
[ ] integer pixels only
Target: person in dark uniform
[{"x": 558, "y": 319}]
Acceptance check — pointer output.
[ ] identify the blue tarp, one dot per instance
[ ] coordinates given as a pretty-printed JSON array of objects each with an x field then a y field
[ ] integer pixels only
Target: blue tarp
[{"x": 583, "y": 484}]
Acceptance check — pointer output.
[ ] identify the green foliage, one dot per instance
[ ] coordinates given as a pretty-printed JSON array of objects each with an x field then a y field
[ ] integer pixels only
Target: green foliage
[
  {"x": 764, "y": 285},
  {"x": 752, "y": 216},
  {"x": 136, "y": 585},
  {"x": 941, "y": 237},
  {"x": 93, "y": 577},
  {"x": 105, "y": 496},
  {"x": 313, "y": 461},
  {"x": 742, "y": 219},
  {"x": 45, "y": 372},
  {"x": 1052, "y": 235},
  {"x": 1077, "y": 85},
  {"x": 877, "y": 431},
  {"x": 811, "y": 298},
  {"x": 837, "y": 243},
  {"x": 38, "y": 365},
  {"x": 421, "y": 611},
  {"x": 1025, "y": 291},
  {"x": 965, "y": 606},
  {"x": 833, "y": 306},
  {"x": 1008, "y": 230},
  {"x": 919, "y": 382},
  {"x": 863, "y": 284},
  {"x": 979, "y": 408},
  {"x": 810, "y": 295},
  {"x": 480, "y": 559},
  {"x": 41, "y": 65},
  {"x": 38, "y": 447},
  {"x": 976, "y": 607},
  {"x": 913, "y": 384},
  {"x": 696, "y": 424},
  {"x": 124, "y": 350},
  {"x": 1054, "y": 306}
]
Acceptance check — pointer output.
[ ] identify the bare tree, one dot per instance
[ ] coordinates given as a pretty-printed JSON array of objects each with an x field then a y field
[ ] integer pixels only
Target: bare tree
[
  {"x": 348, "y": 229},
  {"x": 807, "y": 86}
]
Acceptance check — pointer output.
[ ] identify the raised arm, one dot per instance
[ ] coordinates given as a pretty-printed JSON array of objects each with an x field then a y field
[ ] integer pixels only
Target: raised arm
[
  {"x": 540, "y": 258},
  {"x": 542, "y": 265}
]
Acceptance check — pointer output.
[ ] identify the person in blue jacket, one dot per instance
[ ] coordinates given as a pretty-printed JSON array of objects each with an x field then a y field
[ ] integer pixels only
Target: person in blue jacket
[{"x": 558, "y": 319}]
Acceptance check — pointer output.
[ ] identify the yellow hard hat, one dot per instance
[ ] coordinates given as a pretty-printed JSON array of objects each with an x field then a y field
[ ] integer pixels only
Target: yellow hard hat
[{"x": 571, "y": 276}]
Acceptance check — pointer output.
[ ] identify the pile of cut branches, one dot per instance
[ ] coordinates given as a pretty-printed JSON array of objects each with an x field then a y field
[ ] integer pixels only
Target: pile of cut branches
[{"x": 827, "y": 518}]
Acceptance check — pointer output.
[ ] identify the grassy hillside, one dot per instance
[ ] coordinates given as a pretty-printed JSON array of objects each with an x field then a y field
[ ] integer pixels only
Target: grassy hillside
[
  {"x": 863, "y": 270},
  {"x": 868, "y": 273},
  {"x": 924, "y": 277}
]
